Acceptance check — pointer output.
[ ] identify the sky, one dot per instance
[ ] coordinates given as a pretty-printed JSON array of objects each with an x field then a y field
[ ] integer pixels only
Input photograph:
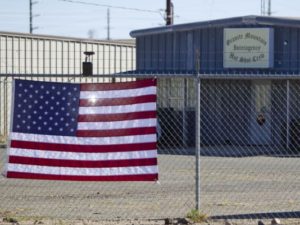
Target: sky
[{"x": 76, "y": 19}]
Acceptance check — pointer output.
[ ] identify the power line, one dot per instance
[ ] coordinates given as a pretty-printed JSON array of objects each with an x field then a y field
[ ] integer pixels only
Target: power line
[
  {"x": 108, "y": 10},
  {"x": 112, "y": 6}
]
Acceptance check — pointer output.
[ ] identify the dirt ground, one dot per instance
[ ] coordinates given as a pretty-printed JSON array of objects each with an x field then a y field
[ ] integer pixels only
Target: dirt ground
[
  {"x": 183, "y": 221},
  {"x": 229, "y": 186}
]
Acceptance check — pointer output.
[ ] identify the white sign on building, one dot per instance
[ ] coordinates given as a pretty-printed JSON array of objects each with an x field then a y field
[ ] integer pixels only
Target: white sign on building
[{"x": 248, "y": 48}]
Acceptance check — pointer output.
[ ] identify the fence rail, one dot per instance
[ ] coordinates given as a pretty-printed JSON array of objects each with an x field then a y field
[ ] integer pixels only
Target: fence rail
[{"x": 226, "y": 147}]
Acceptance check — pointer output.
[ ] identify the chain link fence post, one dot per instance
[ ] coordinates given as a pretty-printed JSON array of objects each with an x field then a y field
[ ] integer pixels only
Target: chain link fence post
[
  {"x": 198, "y": 142},
  {"x": 287, "y": 115}
]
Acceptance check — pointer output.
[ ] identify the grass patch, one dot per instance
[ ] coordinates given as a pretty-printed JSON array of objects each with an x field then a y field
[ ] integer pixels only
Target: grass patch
[{"x": 197, "y": 217}]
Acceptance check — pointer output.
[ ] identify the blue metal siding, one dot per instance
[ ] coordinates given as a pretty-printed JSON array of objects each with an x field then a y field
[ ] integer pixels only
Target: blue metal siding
[
  {"x": 293, "y": 49},
  {"x": 219, "y": 49},
  {"x": 183, "y": 51},
  {"x": 171, "y": 51},
  {"x": 162, "y": 52},
  {"x": 204, "y": 50},
  {"x": 177, "y": 54},
  {"x": 148, "y": 53},
  {"x": 196, "y": 46},
  {"x": 285, "y": 37},
  {"x": 156, "y": 51},
  {"x": 140, "y": 53},
  {"x": 211, "y": 49}
]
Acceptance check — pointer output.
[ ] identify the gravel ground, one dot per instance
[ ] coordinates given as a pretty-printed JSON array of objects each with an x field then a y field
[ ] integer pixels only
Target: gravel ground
[{"x": 229, "y": 186}]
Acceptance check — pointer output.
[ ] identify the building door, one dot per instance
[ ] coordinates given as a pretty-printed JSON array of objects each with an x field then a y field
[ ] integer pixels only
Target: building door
[{"x": 260, "y": 125}]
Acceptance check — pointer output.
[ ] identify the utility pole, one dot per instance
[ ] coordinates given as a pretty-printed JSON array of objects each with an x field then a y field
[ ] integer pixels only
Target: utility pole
[
  {"x": 108, "y": 24},
  {"x": 31, "y": 28},
  {"x": 169, "y": 13},
  {"x": 269, "y": 8},
  {"x": 262, "y": 8}
]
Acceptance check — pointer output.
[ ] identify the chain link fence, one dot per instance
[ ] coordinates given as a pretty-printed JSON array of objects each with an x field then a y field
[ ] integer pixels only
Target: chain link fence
[{"x": 249, "y": 165}]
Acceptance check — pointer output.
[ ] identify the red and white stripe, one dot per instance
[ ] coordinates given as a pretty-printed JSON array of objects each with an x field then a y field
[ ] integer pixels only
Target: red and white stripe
[{"x": 116, "y": 139}]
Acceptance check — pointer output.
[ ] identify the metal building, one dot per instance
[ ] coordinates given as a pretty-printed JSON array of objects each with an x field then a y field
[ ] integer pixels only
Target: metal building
[
  {"x": 253, "y": 58},
  {"x": 40, "y": 54}
]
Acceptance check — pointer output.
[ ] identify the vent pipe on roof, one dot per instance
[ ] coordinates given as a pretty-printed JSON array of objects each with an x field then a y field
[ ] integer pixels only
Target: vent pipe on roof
[{"x": 169, "y": 13}]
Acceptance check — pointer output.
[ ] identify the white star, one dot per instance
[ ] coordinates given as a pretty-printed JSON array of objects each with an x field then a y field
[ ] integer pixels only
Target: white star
[
  {"x": 57, "y": 113},
  {"x": 20, "y": 85},
  {"x": 19, "y": 116},
  {"x": 25, "y": 100},
  {"x": 63, "y": 108},
  {"x": 36, "y": 91},
  {"x": 41, "y": 107},
  {"x": 46, "y": 113},
  {"x": 24, "y": 111},
  {"x": 29, "y": 116},
  {"x": 42, "y": 87},
  {"x": 58, "y": 93},
  {"x": 67, "y": 124},
  {"x": 74, "y": 99},
  {"x": 52, "y": 97},
  {"x": 47, "y": 92},
  {"x": 20, "y": 95},
  {"x": 53, "y": 87},
  {"x": 63, "y": 98},
  {"x": 25, "y": 90},
  {"x": 62, "y": 119},
  {"x": 64, "y": 88},
  {"x": 57, "y": 103},
  {"x": 68, "y": 114},
  {"x": 55, "y": 123},
  {"x": 50, "y": 118},
  {"x": 30, "y": 106},
  {"x": 30, "y": 96},
  {"x": 23, "y": 121},
  {"x": 50, "y": 128},
  {"x": 72, "y": 130},
  {"x": 75, "y": 89},
  {"x": 19, "y": 105},
  {"x": 46, "y": 102},
  {"x": 68, "y": 103},
  {"x": 51, "y": 107},
  {"x": 40, "y": 118},
  {"x": 39, "y": 128},
  {"x": 73, "y": 109},
  {"x": 35, "y": 101},
  {"x": 42, "y": 96},
  {"x": 69, "y": 93},
  {"x": 45, "y": 123},
  {"x": 73, "y": 119},
  {"x": 28, "y": 127},
  {"x": 18, "y": 126},
  {"x": 31, "y": 85},
  {"x": 35, "y": 112},
  {"x": 60, "y": 129},
  {"x": 34, "y": 122}
]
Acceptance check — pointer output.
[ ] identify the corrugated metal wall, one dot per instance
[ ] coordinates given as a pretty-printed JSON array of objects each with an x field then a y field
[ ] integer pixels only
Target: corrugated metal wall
[
  {"x": 176, "y": 51},
  {"x": 33, "y": 54}
]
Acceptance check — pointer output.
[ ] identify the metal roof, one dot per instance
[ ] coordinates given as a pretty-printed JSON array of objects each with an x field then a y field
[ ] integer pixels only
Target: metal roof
[
  {"x": 227, "y": 22},
  {"x": 121, "y": 42}
]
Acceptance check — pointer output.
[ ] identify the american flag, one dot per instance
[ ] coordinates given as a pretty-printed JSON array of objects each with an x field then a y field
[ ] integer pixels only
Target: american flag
[{"x": 84, "y": 132}]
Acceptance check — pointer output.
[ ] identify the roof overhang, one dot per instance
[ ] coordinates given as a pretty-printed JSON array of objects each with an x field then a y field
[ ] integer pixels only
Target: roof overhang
[{"x": 227, "y": 22}]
